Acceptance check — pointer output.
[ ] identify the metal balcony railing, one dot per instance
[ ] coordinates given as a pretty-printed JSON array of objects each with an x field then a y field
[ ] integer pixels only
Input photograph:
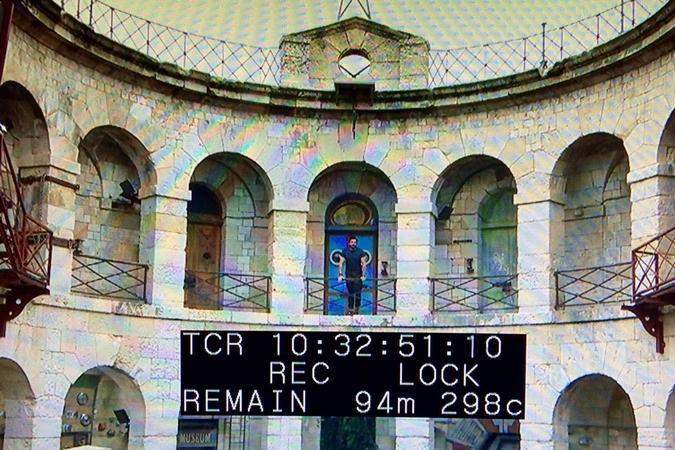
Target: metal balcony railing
[
  {"x": 479, "y": 293},
  {"x": 216, "y": 57},
  {"x": 593, "y": 285},
  {"x": 25, "y": 244},
  {"x": 330, "y": 296},
  {"x": 537, "y": 51},
  {"x": 653, "y": 266},
  {"x": 248, "y": 63},
  {"x": 111, "y": 278},
  {"x": 232, "y": 291}
]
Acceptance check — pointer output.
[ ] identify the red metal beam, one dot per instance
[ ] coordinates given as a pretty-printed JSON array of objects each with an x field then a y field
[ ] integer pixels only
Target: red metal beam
[{"x": 7, "y": 8}]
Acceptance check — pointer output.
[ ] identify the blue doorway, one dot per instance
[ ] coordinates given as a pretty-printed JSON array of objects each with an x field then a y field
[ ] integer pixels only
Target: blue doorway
[{"x": 350, "y": 215}]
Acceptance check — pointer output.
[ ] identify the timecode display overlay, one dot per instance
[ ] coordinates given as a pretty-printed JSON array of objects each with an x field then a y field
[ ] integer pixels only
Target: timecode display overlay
[{"x": 352, "y": 374}]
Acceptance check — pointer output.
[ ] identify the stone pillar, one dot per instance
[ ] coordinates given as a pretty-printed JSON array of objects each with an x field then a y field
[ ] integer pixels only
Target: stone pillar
[
  {"x": 414, "y": 433},
  {"x": 414, "y": 252},
  {"x": 537, "y": 436},
  {"x": 47, "y": 412},
  {"x": 653, "y": 438},
  {"x": 286, "y": 252},
  {"x": 284, "y": 433},
  {"x": 161, "y": 425},
  {"x": 540, "y": 241},
  {"x": 49, "y": 196},
  {"x": 652, "y": 195},
  {"x": 162, "y": 247}
]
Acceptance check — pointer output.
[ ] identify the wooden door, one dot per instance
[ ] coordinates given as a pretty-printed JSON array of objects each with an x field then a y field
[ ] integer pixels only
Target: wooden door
[{"x": 202, "y": 279}]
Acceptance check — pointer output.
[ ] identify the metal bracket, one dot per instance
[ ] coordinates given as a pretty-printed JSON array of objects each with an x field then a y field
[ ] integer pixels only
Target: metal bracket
[
  {"x": 16, "y": 300},
  {"x": 650, "y": 316}
]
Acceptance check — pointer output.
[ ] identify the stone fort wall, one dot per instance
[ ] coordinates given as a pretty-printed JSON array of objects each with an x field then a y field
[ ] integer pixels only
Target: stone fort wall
[{"x": 596, "y": 156}]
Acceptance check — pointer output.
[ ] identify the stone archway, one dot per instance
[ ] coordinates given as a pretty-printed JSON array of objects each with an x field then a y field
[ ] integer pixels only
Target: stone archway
[
  {"x": 16, "y": 406},
  {"x": 669, "y": 425},
  {"x": 104, "y": 407},
  {"x": 594, "y": 412}
]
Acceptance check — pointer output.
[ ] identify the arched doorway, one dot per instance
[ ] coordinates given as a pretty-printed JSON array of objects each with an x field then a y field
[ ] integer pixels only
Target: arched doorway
[
  {"x": 16, "y": 406},
  {"x": 205, "y": 220},
  {"x": 497, "y": 258},
  {"x": 103, "y": 407},
  {"x": 227, "y": 235},
  {"x": 350, "y": 215},
  {"x": 594, "y": 412},
  {"x": 669, "y": 424},
  {"x": 474, "y": 264}
]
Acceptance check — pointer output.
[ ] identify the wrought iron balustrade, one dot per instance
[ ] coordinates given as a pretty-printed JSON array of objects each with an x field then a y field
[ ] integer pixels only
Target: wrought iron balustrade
[
  {"x": 593, "y": 285},
  {"x": 536, "y": 51},
  {"x": 653, "y": 275},
  {"x": 474, "y": 293},
  {"x": 233, "y": 291},
  {"x": 191, "y": 51},
  {"x": 109, "y": 278},
  {"x": 239, "y": 62},
  {"x": 330, "y": 296},
  {"x": 25, "y": 245},
  {"x": 653, "y": 266}
]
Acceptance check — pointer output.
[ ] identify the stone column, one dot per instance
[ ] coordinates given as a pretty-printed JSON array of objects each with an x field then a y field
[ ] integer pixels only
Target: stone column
[
  {"x": 537, "y": 435},
  {"x": 286, "y": 252},
  {"x": 653, "y": 438},
  {"x": 414, "y": 252},
  {"x": 540, "y": 235},
  {"x": 284, "y": 433},
  {"x": 414, "y": 433},
  {"x": 49, "y": 197},
  {"x": 162, "y": 247},
  {"x": 652, "y": 195},
  {"x": 47, "y": 412},
  {"x": 161, "y": 424}
]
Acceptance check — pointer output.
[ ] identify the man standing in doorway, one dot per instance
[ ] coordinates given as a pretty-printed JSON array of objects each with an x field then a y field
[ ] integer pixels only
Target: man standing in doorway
[{"x": 354, "y": 260}]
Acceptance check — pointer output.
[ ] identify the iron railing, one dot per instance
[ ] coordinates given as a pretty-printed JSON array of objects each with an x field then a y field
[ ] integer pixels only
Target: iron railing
[
  {"x": 593, "y": 285},
  {"x": 233, "y": 291},
  {"x": 216, "y": 57},
  {"x": 653, "y": 266},
  {"x": 26, "y": 243},
  {"x": 479, "y": 293},
  {"x": 536, "y": 51},
  {"x": 330, "y": 296},
  {"x": 239, "y": 62},
  {"x": 109, "y": 278}
]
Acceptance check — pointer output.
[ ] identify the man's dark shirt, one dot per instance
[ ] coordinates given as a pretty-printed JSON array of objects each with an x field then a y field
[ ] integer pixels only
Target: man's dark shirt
[{"x": 353, "y": 261}]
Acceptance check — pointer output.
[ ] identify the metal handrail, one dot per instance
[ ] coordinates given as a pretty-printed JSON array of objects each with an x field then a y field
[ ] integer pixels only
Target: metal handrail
[
  {"x": 104, "y": 277},
  {"x": 323, "y": 294},
  {"x": 474, "y": 293},
  {"x": 536, "y": 51},
  {"x": 610, "y": 283},
  {"x": 232, "y": 291},
  {"x": 27, "y": 244},
  {"x": 191, "y": 51},
  {"x": 653, "y": 265},
  {"x": 249, "y": 63}
]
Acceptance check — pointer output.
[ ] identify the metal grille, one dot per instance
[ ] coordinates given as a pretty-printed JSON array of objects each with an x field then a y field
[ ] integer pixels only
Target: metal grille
[
  {"x": 189, "y": 51},
  {"x": 653, "y": 266},
  {"x": 324, "y": 294},
  {"x": 234, "y": 291},
  {"x": 537, "y": 51},
  {"x": 239, "y": 62},
  {"x": 109, "y": 278},
  {"x": 479, "y": 294},
  {"x": 593, "y": 285}
]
